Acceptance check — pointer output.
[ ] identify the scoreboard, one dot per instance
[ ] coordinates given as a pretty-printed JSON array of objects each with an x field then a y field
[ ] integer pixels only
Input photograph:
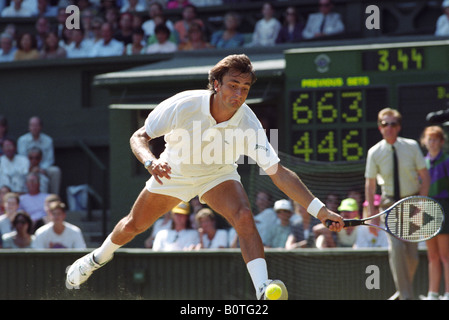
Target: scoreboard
[{"x": 333, "y": 95}]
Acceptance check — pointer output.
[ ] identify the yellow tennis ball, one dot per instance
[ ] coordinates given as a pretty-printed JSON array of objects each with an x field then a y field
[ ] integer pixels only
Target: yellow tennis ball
[{"x": 273, "y": 292}]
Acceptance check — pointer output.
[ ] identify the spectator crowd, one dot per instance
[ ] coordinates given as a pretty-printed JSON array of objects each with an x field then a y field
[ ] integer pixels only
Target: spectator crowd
[{"x": 130, "y": 27}]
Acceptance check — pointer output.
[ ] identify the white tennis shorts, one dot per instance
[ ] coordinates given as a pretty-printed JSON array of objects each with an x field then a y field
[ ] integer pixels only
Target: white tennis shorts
[{"x": 186, "y": 188}]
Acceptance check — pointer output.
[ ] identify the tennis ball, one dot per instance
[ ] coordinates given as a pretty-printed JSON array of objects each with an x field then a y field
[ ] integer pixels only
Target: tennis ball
[{"x": 273, "y": 292}]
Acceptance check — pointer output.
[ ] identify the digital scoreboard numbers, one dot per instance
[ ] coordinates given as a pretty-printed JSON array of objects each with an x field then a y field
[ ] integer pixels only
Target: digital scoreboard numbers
[
  {"x": 393, "y": 59},
  {"x": 335, "y": 93},
  {"x": 333, "y": 124}
]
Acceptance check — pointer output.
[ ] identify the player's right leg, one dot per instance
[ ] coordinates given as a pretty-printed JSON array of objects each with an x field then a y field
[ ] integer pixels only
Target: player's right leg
[
  {"x": 230, "y": 200},
  {"x": 147, "y": 208}
]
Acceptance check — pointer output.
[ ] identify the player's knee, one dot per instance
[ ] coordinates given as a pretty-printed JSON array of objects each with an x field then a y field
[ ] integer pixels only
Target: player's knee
[
  {"x": 243, "y": 220},
  {"x": 130, "y": 226}
]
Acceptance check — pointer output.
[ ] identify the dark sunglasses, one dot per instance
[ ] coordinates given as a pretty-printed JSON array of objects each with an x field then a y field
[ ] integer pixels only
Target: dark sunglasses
[{"x": 384, "y": 124}]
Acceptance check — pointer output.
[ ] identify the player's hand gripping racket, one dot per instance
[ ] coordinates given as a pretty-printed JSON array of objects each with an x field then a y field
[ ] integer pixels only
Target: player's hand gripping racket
[{"x": 413, "y": 219}]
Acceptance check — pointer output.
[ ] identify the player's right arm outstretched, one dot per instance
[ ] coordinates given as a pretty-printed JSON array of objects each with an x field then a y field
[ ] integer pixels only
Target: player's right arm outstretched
[{"x": 289, "y": 183}]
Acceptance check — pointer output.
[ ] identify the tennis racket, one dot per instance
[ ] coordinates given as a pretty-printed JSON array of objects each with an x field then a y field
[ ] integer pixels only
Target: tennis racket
[{"x": 413, "y": 219}]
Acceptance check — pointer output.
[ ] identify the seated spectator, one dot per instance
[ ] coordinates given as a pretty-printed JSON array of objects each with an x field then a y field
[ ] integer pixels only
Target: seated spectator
[
  {"x": 230, "y": 37},
  {"x": 52, "y": 49},
  {"x": 61, "y": 19},
  {"x": 160, "y": 19},
  {"x": 356, "y": 193},
  {"x": 177, "y": 4},
  {"x": 155, "y": 10},
  {"x": 58, "y": 234},
  {"x": 164, "y": 222},
  {"x": 332, "y": 202},
  {"x": 95, "y": 35},
  {"x": 13, "y": 167},
  {"x": 196, "y": 39},
  {"x": 266, "y": 29},
  {"x": 22, "y": 236},
  {"x": 279, "y": 232},
  {"x": 7, "y": 47},
  {"x": 45, "y": 9},
  {"x": 3, "y": 191},
  {"x": 323, "y": 23},
  {"x": 26, "y": 48},
  {"x": 36, "y": 138},
  {"x": 302, "y": 235},
  {"x": 210, "y": 236},
  {"x": 265, "y": 216},
  {"x": 104, "y": 5},
  {"x": 124, "y": 33},
  {"x": 133, "y": 6},
  {"x": 442, "y": 26},
  {"x": 112, "y": 17},
  {"x": 181, "y": 236},
  {"x": 11, "y": 201},
  {"x": 163, "y": 44},
  {"x": 48, "y": 200},
  {"x": 291, "y": 30},
  {"x": 33, "y": 202},
  {"x": 31, "y": 5},
  {"x": 42, "y": 27},
  {"x": 79, "y": 47},
  {"x": 138, "y": 44},
  {"x": 348, "y": 209},
  {"x": 35, "y": 158},
  {"x": 366, "y": 239},
  {"x": 87, "y": 17},
  {"x": 189, "y": 16},
  {"x": 16, "y": 9},
  {"x": 107, "y": 46}
]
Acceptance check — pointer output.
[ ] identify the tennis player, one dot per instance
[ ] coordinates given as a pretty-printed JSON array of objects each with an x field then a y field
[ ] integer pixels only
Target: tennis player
[{"x": 206, "y": 131}]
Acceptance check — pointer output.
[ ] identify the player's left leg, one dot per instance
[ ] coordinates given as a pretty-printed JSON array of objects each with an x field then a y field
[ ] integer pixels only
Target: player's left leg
[
  {"x": 147, "y": 208},
  {"x": 230, "y": 200}
]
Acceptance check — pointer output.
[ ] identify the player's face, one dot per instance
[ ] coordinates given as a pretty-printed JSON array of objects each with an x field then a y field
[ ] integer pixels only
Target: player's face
[{"x": 234, "y": 89}]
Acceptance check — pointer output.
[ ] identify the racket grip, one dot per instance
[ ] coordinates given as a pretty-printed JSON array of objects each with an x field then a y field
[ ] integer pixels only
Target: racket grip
[
  {"x": 329, "y": 223},
  {"x": 347, "y": 223}
]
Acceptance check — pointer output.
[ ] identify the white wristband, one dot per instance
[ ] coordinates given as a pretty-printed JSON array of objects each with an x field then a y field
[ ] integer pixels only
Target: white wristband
[{"x": 315, "y": 207}]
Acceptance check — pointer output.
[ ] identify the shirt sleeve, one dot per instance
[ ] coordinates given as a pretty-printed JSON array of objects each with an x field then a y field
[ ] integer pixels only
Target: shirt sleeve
[
  {"x": 162, "y": 119},
  {"x": 370, "y": 169},
  {"x": 258, "y": 148}
]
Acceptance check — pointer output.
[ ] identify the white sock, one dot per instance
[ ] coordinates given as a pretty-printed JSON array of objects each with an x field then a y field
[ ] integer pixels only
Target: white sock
[
  {"x": 105, "y": 252},
  {"x": 257, "y": 269}
]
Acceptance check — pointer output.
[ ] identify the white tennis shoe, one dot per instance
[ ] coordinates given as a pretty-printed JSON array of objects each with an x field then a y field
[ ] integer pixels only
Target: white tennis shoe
[
  {"x": 82, "y": 269},
  {"x": 261, "y": 291}
]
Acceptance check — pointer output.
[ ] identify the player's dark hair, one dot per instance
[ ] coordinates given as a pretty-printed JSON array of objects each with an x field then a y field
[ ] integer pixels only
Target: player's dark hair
[{"x": 236, "y": 62}]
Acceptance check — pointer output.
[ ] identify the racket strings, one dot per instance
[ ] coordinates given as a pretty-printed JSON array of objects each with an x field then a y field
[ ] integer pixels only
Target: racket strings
[{"x": 415, "y": 219}]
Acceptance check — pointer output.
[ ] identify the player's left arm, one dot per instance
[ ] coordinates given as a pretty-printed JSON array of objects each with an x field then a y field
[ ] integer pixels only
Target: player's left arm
[{"x": 289, "y": 183}]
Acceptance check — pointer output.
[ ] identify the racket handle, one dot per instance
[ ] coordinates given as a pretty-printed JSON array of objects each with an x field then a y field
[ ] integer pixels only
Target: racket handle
[
  {"x": 347, "y": 222},
  {"x": 329, "y": 223}
]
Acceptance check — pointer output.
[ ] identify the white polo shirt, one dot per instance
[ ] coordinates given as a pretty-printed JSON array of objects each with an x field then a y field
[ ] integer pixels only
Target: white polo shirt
[{"x": 197, "y": 146}]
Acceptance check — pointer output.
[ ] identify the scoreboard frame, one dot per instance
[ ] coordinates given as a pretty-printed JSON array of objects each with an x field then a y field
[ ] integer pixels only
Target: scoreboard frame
[{"x": 333, "y": 95}]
